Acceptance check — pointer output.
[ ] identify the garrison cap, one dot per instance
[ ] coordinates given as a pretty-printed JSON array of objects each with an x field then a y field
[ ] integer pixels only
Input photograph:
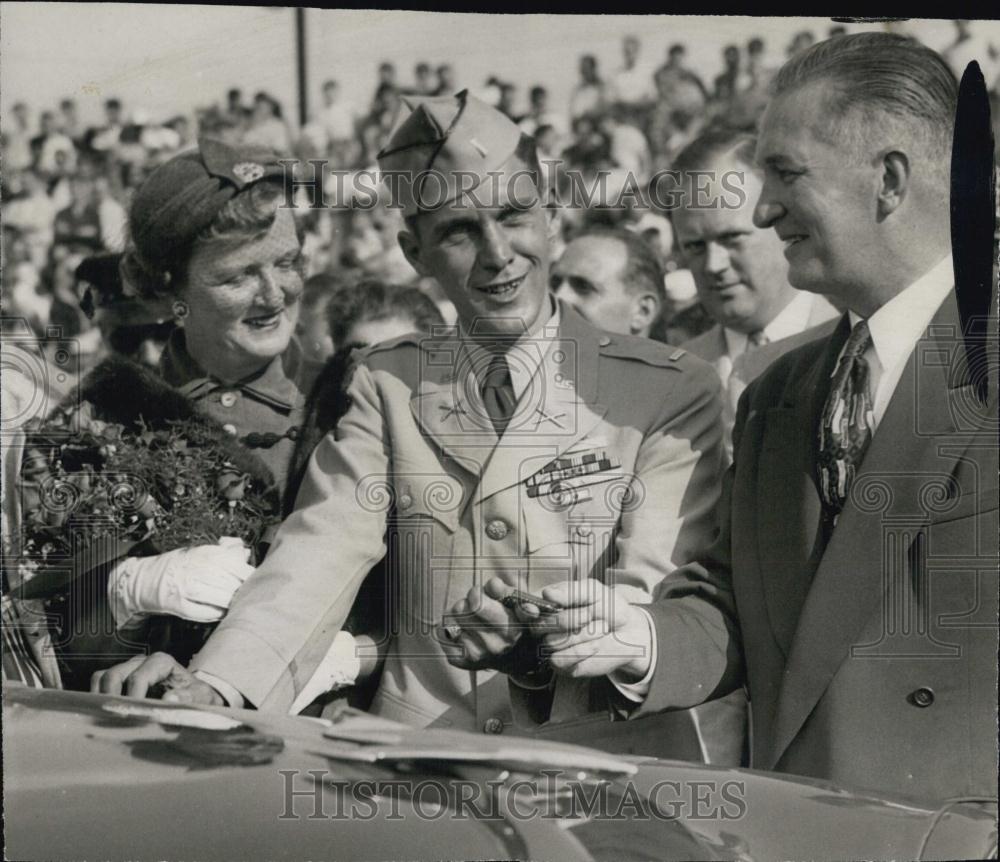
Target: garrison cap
[
  {"x": 459, "y": 138},
  {"x": 183, "y": 196}
]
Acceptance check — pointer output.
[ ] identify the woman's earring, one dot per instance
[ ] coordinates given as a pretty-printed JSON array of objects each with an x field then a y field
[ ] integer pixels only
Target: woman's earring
[{"x": 180, "y": 310}]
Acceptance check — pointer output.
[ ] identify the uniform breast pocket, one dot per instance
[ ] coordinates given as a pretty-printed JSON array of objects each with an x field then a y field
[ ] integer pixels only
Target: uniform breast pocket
[
  {"x": 425, "y": 499},
  {"x": 421, "y": 537}
]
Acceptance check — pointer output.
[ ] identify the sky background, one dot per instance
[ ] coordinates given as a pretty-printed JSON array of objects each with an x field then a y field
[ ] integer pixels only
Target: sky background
[{"x": 171, "y": 58}]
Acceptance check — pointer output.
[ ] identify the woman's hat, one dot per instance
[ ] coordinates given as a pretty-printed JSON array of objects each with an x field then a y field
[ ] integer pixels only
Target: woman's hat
[{"x": 182, "y": 197}]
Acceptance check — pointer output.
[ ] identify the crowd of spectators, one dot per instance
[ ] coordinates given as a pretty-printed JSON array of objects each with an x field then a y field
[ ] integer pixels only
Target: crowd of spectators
[{"x": 66, "y": 187}]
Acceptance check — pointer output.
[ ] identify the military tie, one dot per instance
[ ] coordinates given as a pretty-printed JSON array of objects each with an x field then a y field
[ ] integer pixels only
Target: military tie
[
  {"x": 498, "y": 393},
  {"x": 846, "y": 425},
  {"x": 757, "y": 339}
]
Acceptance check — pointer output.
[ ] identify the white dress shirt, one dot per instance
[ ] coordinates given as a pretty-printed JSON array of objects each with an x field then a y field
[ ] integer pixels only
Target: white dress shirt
[
  {"x": 791, "y": 320},
  {"x": 897, "y": 327},
  {"x": 633, "y": 85}
]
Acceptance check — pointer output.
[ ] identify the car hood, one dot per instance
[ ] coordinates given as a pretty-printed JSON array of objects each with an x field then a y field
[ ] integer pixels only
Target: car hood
[{"x": 97, "y": 777}]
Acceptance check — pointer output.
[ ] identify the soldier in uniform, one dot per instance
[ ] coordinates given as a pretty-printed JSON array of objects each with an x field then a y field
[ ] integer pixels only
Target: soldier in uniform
[{"x": 520, "y": 449}]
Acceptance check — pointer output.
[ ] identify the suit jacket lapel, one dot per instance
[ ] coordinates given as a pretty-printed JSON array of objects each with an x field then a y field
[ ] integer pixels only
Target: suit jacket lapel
[
  {"x": 788, "y": 505},
  {"x": 850, "y": 581}
]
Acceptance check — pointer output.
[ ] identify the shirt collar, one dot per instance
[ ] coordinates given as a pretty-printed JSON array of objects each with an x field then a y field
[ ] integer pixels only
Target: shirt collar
[
  {"x": 897, "y": 326},
  {"x": 275, "y": 384},
  {"x": 531, "y": 348},
  {"x": 791, "y": 320}
]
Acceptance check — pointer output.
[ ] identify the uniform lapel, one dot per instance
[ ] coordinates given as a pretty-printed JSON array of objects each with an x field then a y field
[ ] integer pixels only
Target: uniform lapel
[
  {"x": 448, "y": 408},
  {"x": 555, "y": 411},
  {"x": 788, "y": 505},
  {"x": 849, "y": 584}
]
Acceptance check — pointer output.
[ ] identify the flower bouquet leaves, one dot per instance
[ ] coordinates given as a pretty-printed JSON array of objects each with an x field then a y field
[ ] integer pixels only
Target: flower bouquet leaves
[{"x": 104, "y": 490}]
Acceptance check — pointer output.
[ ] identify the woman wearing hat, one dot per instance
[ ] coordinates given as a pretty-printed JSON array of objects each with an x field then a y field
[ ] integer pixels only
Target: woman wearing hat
[
  {"x": 209, "y": 236},
  {"x": 209, "y": 233}
]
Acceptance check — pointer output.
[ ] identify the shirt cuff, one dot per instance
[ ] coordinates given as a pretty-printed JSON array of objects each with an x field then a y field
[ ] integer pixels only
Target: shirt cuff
[
  {"x": 338, "y": 669},
  {"x": 229, "y": 694},
  {"x": 637, "y": 691}
]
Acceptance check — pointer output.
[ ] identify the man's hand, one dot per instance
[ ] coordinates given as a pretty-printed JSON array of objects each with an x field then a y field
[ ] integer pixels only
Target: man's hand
[
  {"x": 135, "y": 677},
  {"x": 596, "y": 633},
  {"x": 479, "y": 632}
]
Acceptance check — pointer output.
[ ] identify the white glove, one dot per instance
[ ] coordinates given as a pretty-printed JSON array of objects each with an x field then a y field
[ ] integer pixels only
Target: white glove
[{"x": 191, "y": 583}]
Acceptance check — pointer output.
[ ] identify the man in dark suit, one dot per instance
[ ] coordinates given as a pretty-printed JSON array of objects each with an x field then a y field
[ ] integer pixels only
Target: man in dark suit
[{"x": 859, "y": 519}]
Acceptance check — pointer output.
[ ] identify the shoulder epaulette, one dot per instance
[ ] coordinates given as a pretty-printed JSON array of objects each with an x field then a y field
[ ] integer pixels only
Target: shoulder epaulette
[
  {"x": 641, "y": 349},
  {"x": 416, "y": 339},
  {"x": 412, "y": 338}
]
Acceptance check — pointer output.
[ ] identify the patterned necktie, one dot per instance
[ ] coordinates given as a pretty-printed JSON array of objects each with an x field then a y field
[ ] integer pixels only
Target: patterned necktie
[
  {"x": 498, "y": 393},
  {"x": 846, "y": 426}
]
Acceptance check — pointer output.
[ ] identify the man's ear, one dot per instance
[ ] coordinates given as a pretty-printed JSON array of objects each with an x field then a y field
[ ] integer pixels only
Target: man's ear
[
  {"x": 553, "y": 219},
  {"x": 645, "y": 309},
  {"x": 894, "y": 183},
  {"x": 411, "y": 251}
]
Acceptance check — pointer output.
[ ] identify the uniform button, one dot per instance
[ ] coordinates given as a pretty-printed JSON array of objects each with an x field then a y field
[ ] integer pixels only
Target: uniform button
[
  {"x": 497, "y": 530},
  {"x": 922, "y": 697},
  {"x": 405, "y": 501},
  {"x": 493, "y": 725},
  {"x": 604, "y": 341},
  {"x": 229, "y": 428},
  {"x": 583, "y": 530},
  {"x": 228, "y": 399}
]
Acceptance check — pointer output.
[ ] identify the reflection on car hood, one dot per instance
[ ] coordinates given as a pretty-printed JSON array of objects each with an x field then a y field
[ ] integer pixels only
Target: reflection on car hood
[{"x": 98, "y": 777}]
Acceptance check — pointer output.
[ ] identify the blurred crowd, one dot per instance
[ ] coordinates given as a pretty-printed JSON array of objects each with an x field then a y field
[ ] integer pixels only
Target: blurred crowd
[{"x": 66, "y": 186}]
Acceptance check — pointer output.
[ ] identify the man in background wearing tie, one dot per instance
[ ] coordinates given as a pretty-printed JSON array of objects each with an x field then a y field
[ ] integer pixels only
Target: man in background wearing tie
[
  {"x": 859, "y": 518},
  {"x": 739, "y": 269}
]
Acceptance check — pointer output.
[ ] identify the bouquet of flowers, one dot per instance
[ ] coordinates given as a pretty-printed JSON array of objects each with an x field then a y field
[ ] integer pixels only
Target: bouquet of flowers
[{"x": 94, "y": 491}]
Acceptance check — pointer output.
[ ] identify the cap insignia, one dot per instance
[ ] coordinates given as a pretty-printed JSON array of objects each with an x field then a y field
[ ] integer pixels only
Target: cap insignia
[{"x": 248, "y": 172}]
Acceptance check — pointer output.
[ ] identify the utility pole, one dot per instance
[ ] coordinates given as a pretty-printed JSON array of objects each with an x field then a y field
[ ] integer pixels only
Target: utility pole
[{"x": 300, "y": 59}]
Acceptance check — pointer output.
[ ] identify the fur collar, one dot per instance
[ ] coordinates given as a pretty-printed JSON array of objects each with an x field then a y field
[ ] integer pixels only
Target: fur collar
[{"x": 123, "y": 392}]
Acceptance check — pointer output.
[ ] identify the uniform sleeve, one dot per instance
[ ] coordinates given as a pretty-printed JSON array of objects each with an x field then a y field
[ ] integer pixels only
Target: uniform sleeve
[
  {"x": 669, "y": 515},
  {"x": 285, "y": 616},
  {"x": 698, "y": 651}
]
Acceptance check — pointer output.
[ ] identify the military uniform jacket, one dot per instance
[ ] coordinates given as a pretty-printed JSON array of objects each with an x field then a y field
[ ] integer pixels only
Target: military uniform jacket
[{"x": 609, "y": 468}]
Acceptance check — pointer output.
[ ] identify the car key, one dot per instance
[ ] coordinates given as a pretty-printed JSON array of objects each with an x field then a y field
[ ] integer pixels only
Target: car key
[{"x": 520, "y": 598}]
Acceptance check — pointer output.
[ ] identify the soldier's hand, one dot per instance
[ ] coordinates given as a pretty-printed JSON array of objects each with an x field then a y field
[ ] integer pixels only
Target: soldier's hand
[
  {"x": 595, "y": 633},
  {"x": 135, "y": 678},
  {"x": 478, "y": 631}
]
